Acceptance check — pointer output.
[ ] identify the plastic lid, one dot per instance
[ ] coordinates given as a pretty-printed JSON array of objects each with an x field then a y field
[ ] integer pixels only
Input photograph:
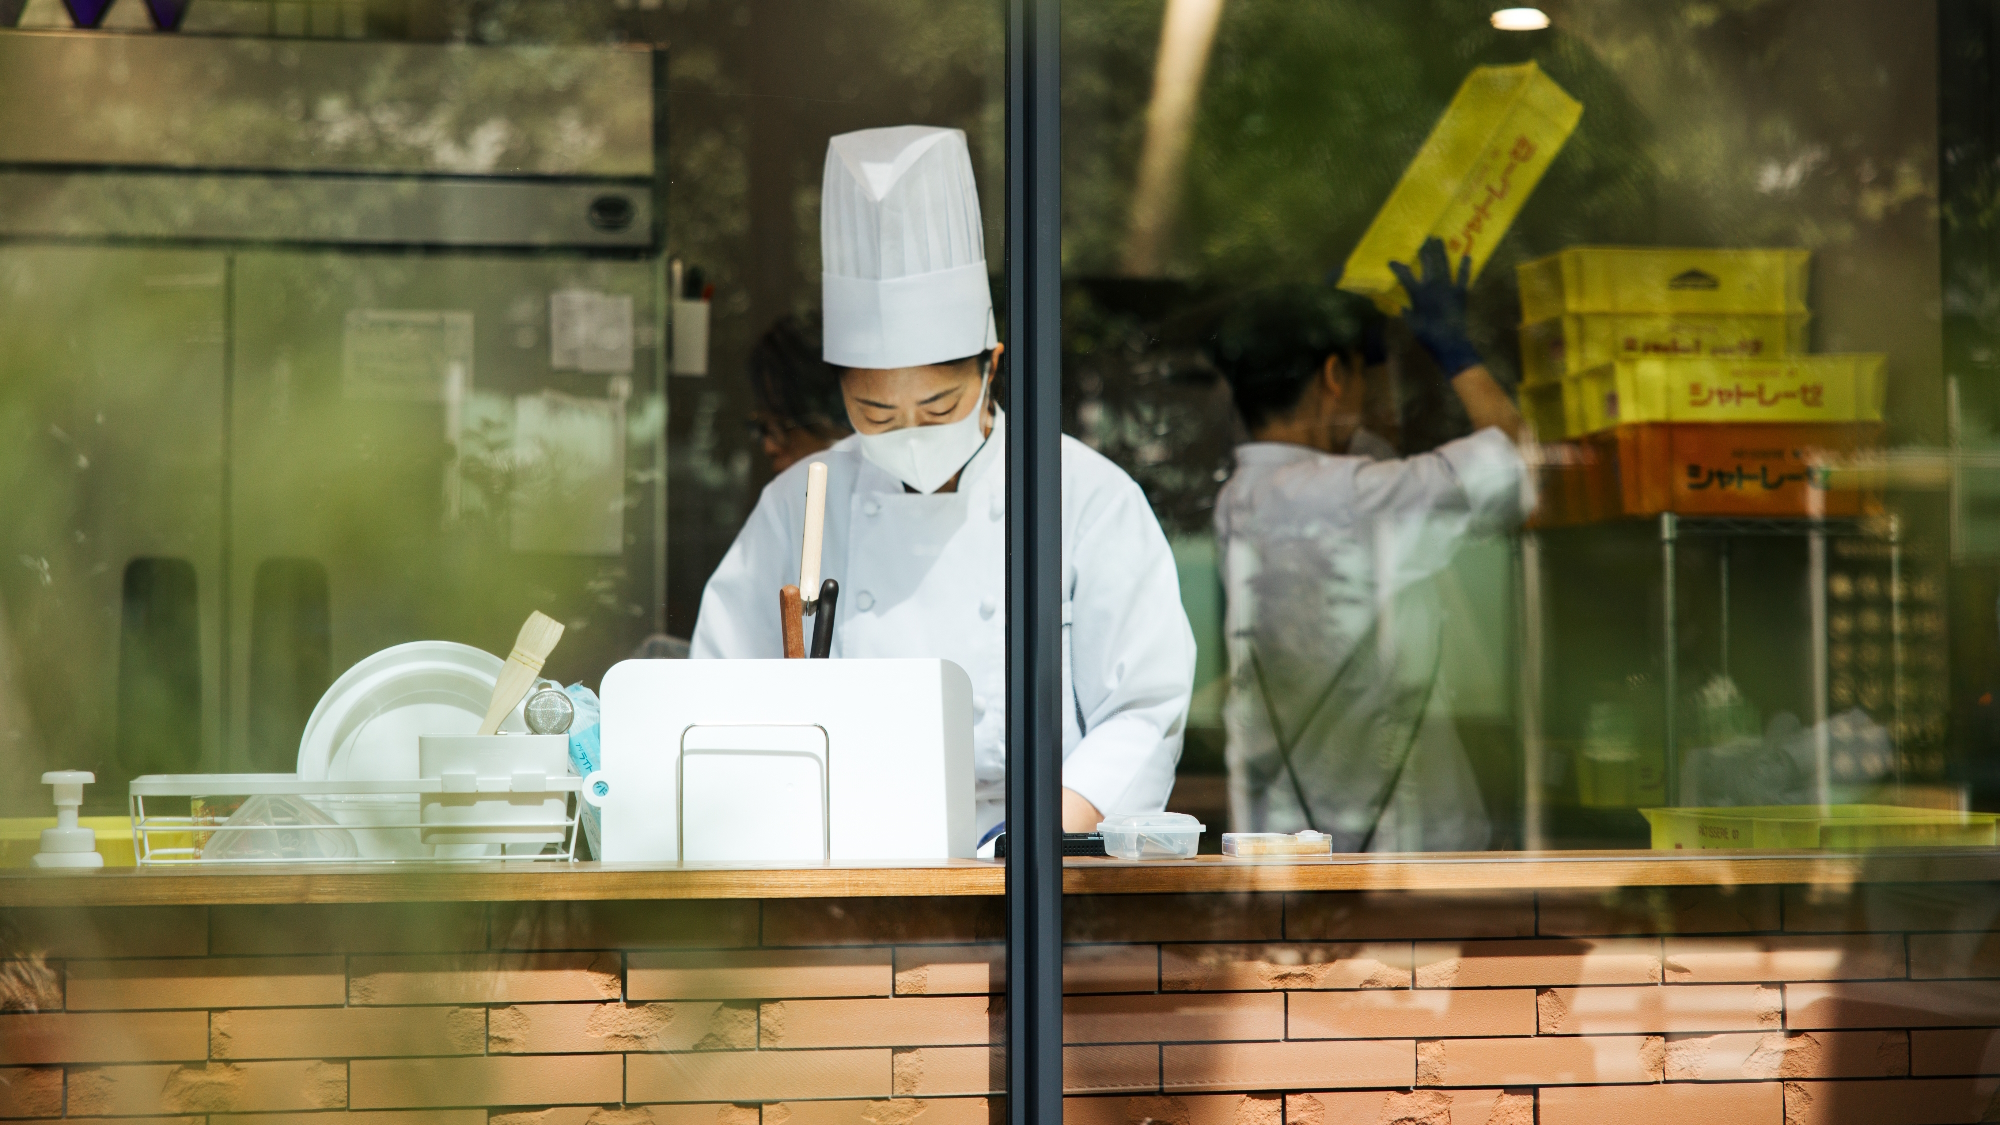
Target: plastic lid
[{"x": 1171, "y": 820}]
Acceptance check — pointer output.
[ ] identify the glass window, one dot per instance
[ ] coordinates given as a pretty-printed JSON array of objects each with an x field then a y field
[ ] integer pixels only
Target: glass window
[
  {"x": 338, "y": 337},
  {"x": 1636, "y": 492}
]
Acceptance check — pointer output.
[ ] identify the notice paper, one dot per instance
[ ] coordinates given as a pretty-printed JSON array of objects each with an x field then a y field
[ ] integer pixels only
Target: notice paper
[
  {"x": 405, "y": 354},
  {"x": 590, "y": 332}
]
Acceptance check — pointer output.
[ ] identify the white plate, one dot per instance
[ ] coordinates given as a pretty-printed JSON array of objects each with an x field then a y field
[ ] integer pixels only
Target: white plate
[{"x": 366, "y": 726}]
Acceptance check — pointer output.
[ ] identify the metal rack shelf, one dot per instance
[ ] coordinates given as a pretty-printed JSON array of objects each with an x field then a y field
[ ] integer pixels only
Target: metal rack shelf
[{"x": 1671, "y": 529}]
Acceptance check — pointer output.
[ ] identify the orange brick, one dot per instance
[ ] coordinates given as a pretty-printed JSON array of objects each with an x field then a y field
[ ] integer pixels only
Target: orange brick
[
  {"x": 929, "y": 1111},
  {"x": 31, "y": 1091},
  {"x": 713, "y": 1113},
  {"x": 1658, "y": 1008},
  {"x": 354, "y": 1117},
  {"x": 62, "y": 932},
  {"x": 952, "y": 970},
  {"x": 1110, "y": 1069},
  {"x": 1281, "y": 1066},
  {"x": 1388, "y": 915},
  {"x": 490, "y": 1081},
  {"x": 908, "y": 1021},
  {"x": 1173, "y": 1017},
  {"x": 1773, "y": 958},
  {"x": 1410, "y": 1107},
  {"x": 389, "y": 927},
  {"x": 1241, "y": 916},
  {"x": 209, "y": 982},
  {"x": 1968, "y": 1051},
  {"x": 947, "y": 970},
  {"x": 1736, "y": 1056},
  {"x": 935, "y": 1071},
  {"x": 345, "y": 1033},
  {"x": 215, "y": 1087},
  {"x": 1374, "y": 1013},
  {"x": 1541, "y": 1061},
  {"x": 1892, "y": 1004},
  {"x": 756, "y": 1076},
  {"x": 1657, "y": 910},
  {"x": 1202, "y": 968},
  {"x": 1541, "y": 962},
  {"x": 1824, "y": 908},
  {"x": 1110, "y": 968},
  {"x": 76, "y": 1037},
  {"x": 482, "y": 978},
  {"x": 30, "y": 984},
  {"x": 883, "y": 921},
  {"x": 1896, "y": 1101},
  {"x": 758, "y": 974},
  {"x": 1738, "y": 1103},
  {"x": 232, "y": 1119},
  {"x": 1184, "y": 1109},
  {"x": 661, "y": 924},
  {"x": 1941, "y": 956},
  {"x": 552, "y": 1029}
]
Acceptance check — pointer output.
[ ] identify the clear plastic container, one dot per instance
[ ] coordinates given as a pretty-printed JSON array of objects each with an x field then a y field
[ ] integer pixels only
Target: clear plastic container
[
  {"x": 1307, "y": 842},
  {"x": 1160, "y": 835}
]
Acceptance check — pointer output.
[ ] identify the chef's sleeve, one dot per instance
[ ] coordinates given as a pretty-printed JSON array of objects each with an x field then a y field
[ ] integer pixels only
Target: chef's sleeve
[
  {"x": 1131, "y": 654},
  {"x": 739, "y": 606}
]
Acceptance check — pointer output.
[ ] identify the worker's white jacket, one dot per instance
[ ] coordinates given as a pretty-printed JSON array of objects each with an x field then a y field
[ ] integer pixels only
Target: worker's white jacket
[
  {"x": 925, "y": 576},
  {"x": 1327, "y": 564}
]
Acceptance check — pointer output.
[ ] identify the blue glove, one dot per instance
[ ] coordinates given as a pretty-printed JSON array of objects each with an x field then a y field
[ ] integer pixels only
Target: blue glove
[{"x": 1436, "y": 315}]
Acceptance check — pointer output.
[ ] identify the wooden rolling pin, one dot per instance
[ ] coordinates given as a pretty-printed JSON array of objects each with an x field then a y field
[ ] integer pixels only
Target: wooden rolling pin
[
  {"x": 791, "y": 617},
  {"x": 538, "y": 638},
  {"x": 814, "y": 536}
]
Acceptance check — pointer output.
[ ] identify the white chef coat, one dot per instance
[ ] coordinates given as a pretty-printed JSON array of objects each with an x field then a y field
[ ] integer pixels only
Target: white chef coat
[
  {"x": 1324, "y": 562},
  {"x": 925, "y": 575}
]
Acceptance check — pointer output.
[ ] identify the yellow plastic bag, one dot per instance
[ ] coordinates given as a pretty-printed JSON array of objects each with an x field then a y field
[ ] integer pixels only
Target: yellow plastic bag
[{"x": 1470, "y": 178}]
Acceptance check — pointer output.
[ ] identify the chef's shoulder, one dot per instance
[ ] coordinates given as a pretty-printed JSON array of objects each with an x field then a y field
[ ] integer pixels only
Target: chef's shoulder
[{"x": 786, "y": 492}]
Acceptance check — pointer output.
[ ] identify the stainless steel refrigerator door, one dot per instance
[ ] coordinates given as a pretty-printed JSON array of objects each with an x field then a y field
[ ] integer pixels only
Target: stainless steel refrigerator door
[
  {"x": 404, "y": 425},
  {"x": 112, "y": 393}
]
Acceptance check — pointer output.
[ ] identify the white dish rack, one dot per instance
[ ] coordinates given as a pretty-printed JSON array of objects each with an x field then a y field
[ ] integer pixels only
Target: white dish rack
[{"x": 386, "y": 818}]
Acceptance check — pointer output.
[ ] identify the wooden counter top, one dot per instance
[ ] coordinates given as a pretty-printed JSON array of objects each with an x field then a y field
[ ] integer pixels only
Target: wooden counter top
[{"x": 498, "y": 882}]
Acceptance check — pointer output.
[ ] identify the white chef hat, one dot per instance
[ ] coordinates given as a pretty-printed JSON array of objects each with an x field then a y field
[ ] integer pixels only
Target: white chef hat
[{"x": 903, "y": 254}]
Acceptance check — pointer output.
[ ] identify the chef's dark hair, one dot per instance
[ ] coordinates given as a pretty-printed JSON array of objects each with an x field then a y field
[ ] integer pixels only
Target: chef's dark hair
[
  {"x": 793, "y": 383},
  {"x": 1270, "y": 343}
]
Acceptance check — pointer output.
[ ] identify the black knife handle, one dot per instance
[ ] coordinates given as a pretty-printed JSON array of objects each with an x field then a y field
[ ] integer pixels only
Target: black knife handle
[{"x": 822, "y": 646}]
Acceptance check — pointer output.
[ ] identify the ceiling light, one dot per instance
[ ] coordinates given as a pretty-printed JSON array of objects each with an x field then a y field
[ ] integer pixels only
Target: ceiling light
[{"x": 1520, "y": 19}]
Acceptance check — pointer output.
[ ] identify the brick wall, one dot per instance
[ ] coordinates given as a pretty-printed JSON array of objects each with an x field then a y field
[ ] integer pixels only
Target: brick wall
[{"x": 1792, "y": 1006}]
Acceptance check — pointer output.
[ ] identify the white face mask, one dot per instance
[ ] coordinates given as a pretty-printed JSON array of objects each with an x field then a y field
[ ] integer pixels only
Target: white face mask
[{"x": 925, "y": 457}]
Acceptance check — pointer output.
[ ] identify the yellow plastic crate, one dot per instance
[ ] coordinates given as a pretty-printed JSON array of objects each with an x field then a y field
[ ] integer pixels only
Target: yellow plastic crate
[
  {"x": 1621, "y": 279},
  {"x": 1478, "y": 166},
  {"x": 1575, "y": 342},
  {"x": 1819, "y": 389},
  {"x": 1841, "y": 827}
]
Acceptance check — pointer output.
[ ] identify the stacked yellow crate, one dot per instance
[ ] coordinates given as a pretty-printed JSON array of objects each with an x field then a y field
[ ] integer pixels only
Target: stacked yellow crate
[{"x": 1675, "y": 379}]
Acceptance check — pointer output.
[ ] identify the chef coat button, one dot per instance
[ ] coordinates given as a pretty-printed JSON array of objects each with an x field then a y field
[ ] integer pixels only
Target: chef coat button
[
  {"x": 864, "y": 601},
  {"x": 988, "y": 606},
  {"x": 998, "y": 510},
  {"x": 871, "y": 508},
  {"x": 978, "y": 705}
]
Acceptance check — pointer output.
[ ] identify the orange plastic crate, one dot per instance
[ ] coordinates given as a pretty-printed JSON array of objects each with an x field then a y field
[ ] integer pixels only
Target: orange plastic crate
[{"x": 1731, "y": 469}]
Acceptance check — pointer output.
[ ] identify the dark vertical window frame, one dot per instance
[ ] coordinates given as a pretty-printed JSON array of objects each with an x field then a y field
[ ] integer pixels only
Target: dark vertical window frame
[{"x": 1034, "y": 564}]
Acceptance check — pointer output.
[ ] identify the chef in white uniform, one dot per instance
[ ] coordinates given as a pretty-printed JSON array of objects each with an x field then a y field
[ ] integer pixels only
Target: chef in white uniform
[
  {"x": 916, "y": 499},
  {"x": 1338, "y": 715}
]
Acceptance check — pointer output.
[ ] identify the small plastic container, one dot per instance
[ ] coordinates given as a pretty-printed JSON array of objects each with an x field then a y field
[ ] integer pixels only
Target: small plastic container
[
  {"x": 1248, "y": 844},
  {"x": 1160, "y": 835}
]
